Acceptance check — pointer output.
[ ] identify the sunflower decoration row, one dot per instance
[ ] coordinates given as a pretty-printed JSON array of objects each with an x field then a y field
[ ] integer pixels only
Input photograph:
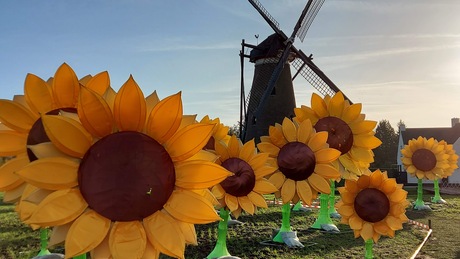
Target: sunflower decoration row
[{"x": 114, "y": 172}]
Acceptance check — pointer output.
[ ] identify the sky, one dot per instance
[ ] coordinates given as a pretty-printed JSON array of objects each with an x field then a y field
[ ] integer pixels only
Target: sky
[{"x": 400, "y": 59}]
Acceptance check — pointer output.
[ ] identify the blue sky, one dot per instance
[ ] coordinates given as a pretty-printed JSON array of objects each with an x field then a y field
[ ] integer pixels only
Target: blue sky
[{"x": 400, "y": 59}]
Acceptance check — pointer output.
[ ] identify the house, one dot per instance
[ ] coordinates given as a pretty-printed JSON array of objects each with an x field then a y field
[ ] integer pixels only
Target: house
[{"x": 450, "y": 134}]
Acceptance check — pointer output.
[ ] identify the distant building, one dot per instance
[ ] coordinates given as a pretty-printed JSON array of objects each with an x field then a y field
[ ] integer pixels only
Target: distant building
[{"x": 450, "y": 134}]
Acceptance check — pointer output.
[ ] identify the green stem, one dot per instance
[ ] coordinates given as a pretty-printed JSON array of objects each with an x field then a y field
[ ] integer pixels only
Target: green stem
[
  {"x": 324, "y": 217},
  {"x": 44, "y": 242},
  {"x": 437, "y": 196},
  {"x": 369, "y": 245},
  {"x": 221, "y": 245},
  {"x": 83, "y": 256},
  {"x": 332, "y": 199},
  {"x": 286, "y": 224},
  {"x": 419, "y": 202}
]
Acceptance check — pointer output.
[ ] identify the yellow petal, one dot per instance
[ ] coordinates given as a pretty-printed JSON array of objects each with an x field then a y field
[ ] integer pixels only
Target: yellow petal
[
  {"x": 288, "y": 190},
  {"x": 264, "y": 186},
  {"x": 189, "y": 232},
  {"x": 388, "y": 186},
  {"x": 190, "y": 207},
  {"x": 277, "y": 179},
  {"x": 376, "y": 179},
  {"x": 305, "y": 113},
  {"x": 129, "y": 108},
  {"x": 152, "y": 100},
  {"x": 13, "y": 143},
  {"x": 188, "y": 141},
  {"x": 277, "y": 136},
  {"x": 53, "y": 173},
  {"x": 393, "y": 222},
  {"x": 381, "y": 227},
  {"x": 67, "y": 135},
  {"x": 165, "y": 118},
  {"x": 246, "y": 204},
  {"x": 319, "y": 183},
  {"x": 87, "y": 232},
  {"x": 38, "y": 94},
  {"x": 16, "y": 116},
  {"x": 258, "y": 161},
  {"x": 257, "y": 199},
  {"x": 248, "y": 150},
  {"x": 109, "y": 97},
  {"x": 319, "y": 106},
  {"x": 199, "y": 174},
  {"x": 398, "y": 195},
  {"x": 326, "y": 155},
  {"x": 367, "y": 232},
  {"x": 94, "y": 113},
  {"x": 234, "y": 146},
  {"x": 231, "y": 202},
  {"x": 46, "y": 149},
  {"x": 65, "y": 87},
  {"x": 165, "y": 234},
  {"x": 362, "y": 154},
  {"x": 355, "y": 222},
  {"x": 351, "y": 112},
  {"x": 346, "y": 210},
  {"x": 304, "y": 191},
  {"x": 289, "y": 130},
  {"x": 58, "y": 234},
  {"x": 263, "y": 171},
  {"x": 127, "y": 240},
  {"x": 336, "y": 105},
  {"x": 366, "y": 140},
  {"x": 327, "y": 171},
  {"x": 99, "y": 83},
  {"x": 221, "y": 150},
  {"x": 14, "y": 195},
  {"x": 218, "y": 191},
  {"x": 269, "y": 148},
  {"x": 8, "y": 178},
  {"x": 60, "y": 207},
  {"x": 364, "y": 181},
  {"x": 150, "y": 252},
  {"x": 304, "y": 131},
  {"x": 362, "y": 127},
  {"x": 102, "y": 250},
  {"x": 348, "y": 197},
  {"x": 318, "y": 141}
]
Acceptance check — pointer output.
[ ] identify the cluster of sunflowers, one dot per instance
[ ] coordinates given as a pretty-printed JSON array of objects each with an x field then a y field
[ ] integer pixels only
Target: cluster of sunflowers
[{"x": 123, "y": 175}]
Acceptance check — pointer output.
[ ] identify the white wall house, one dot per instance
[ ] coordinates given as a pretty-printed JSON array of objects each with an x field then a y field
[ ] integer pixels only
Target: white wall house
[{"x": 451, "y": 135}]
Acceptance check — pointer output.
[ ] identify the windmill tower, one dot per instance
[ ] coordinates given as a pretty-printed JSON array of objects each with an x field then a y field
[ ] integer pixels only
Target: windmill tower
[{"x": 271, "y": 97}]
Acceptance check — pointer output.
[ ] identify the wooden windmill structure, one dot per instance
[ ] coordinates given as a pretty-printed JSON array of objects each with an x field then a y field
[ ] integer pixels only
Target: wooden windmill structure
[{"x": 271, "y": 97}]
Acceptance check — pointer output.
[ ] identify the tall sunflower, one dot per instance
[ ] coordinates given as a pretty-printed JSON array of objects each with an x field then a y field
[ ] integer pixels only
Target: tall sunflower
[
  {"x": 126, "y": 184},
  {"x": 452, "y": 160},
  {"x": 374, "y": 205},
  {"x": 425, "y": 158},
  {"x": 23, "y": 132},
  {"x": 304, "y": 166},
  {"x": 348, "y": 131},
  {"x": 243, "y": 190}
]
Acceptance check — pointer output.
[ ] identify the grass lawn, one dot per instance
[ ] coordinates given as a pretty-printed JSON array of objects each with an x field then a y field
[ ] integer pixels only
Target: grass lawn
[{"x": 19, "y": 241}]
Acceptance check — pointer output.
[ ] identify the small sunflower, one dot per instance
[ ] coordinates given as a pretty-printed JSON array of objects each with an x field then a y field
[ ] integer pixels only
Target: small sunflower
[
  {"x": 22, "y": 127},
  {"x": 374, "y": 205},
  {"x": 452, "y": 161},
  {"x": 348, "y": 130},
  {"x": 128, "y": 176},
  {"x": 303, "y": 159},
  {"x": 220, "y": 132},
  {"x": 425, "y": 158},
  {"x": 244, "y": 189}
]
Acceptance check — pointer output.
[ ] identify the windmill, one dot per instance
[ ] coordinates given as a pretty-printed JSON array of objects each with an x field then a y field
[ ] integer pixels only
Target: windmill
[{"x": 272, "y": 94}]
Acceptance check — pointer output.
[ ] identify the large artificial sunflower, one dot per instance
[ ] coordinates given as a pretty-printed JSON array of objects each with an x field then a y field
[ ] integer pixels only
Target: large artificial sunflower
[
  {"x": 374, "y": 205},
  {"x": 348, "y": 131},
  {"x": 22, "y": 129},
  {"x": 244, "y": 189},
  {"x": 126, "y": 180},
  {"x": 425, "y": 158},
  {"x": 303, "y": 159}
]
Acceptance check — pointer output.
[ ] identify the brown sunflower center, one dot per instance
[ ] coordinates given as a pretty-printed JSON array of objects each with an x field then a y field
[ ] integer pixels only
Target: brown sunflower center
[
  {"x": 243, "y": 180},
  {"x": 126, "y": 176},
  {"x": 37, "y": 134},
  {"x": 424, "y": 160},
  {"x": 296, "y": 161},
  {"x": 340, "y": 135},
  {"x": 372, "y": 205}
]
